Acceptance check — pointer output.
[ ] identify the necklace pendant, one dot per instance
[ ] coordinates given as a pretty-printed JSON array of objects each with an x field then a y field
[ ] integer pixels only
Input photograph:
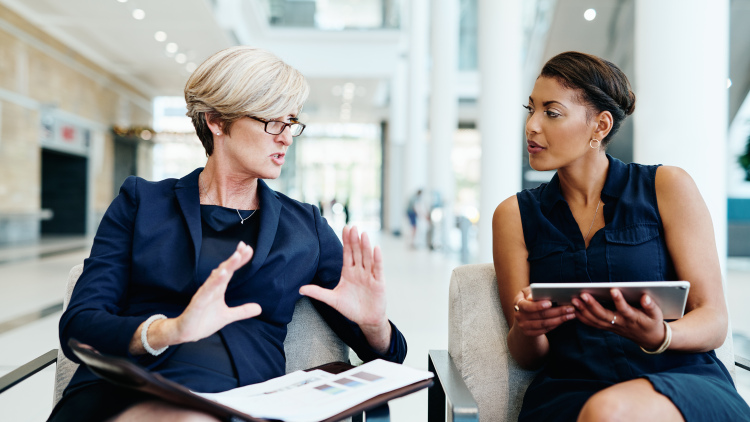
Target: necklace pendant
[{"x": 242, "y": 221}]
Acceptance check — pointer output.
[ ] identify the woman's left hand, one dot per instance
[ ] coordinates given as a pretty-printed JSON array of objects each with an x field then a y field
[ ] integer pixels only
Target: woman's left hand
[
  {"x": 643, "y": 326},
  {"x": 360, "y": 294}
]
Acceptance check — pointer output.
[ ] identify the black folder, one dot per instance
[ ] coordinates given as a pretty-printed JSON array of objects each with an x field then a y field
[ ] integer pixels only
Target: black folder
[{"x": 125, "y": 373}]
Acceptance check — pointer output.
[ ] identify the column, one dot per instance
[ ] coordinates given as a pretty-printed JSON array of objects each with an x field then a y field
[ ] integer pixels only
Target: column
[
  {"x": 680, "y": 83},
  {"x": 443, "y": 110},
  {"x": 395, "y": 206},
  {"x": 415, "y": 150},
  {"x": 500, "y": 113}
]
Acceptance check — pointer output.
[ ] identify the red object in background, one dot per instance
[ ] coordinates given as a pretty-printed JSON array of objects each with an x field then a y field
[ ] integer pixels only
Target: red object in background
[{"x": 68, "y": 133}]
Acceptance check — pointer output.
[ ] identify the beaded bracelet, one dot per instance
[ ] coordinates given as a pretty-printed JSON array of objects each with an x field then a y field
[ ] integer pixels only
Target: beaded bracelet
[
  {"x": 664, "y": 344},
  {"x": 144, "y": 335}
]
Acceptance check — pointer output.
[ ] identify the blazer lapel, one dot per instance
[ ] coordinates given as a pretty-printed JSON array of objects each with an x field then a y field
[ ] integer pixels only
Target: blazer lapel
[
  {"x": 270, "y": 211},
  {"x": 188, "y": 197}
]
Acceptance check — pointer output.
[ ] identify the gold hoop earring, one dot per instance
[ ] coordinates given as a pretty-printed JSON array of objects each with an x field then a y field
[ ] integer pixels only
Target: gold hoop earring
[{"x": 598, "y": 143}]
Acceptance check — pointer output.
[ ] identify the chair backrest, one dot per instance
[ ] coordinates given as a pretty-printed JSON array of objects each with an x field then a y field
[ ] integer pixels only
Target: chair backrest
[
  {"x": 477, "y": 333},
  {"x": 309, "y": 342}
]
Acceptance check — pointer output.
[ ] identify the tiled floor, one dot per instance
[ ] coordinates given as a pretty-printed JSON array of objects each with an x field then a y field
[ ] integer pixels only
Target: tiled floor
[{"x": 418, "y": 297}]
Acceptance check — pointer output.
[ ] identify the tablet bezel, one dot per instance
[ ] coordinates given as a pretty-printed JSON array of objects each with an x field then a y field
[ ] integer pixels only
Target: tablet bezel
[{"x": 671, "y": 296}]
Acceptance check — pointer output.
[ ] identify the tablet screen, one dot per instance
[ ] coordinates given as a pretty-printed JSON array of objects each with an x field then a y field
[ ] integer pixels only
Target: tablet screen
[{"x": 671, "y": 296}]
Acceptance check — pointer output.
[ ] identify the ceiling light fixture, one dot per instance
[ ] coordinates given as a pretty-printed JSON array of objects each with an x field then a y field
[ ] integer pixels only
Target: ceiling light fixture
[
  {"x": 180, "y": 58},
  {"x": 122, "y": 1},
  {"x": 160, "y": 36},
  {"x": 589, "y": 14},
  {"x": 139, "y": 14},
  {"x": 171, "y": 48}
]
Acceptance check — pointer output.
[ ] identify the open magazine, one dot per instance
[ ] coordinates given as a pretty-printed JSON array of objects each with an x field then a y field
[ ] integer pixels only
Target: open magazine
[{"x": 327, "y": 393}]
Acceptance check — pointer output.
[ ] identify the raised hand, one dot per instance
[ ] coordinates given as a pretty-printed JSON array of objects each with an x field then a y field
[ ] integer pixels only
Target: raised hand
[
  {"x": 536, "y": 318},
  {"x": 208, "y": 312},
  {"x": 360, "y": 294},
  {"x": 643, "y": 326}
]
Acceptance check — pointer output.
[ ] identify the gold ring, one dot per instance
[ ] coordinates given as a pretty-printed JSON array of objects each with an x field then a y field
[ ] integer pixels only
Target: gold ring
[{"x": 614, "y": 318}]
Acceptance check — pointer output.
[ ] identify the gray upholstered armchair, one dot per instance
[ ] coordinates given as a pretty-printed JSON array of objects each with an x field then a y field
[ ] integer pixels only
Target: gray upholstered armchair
[
  {"x": 309, "y": 343},
  {"x": 476, "y": 378}
]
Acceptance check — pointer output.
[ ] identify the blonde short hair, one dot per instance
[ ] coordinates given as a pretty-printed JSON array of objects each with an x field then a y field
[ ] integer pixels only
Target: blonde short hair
[{"x": 241, "y": 81}]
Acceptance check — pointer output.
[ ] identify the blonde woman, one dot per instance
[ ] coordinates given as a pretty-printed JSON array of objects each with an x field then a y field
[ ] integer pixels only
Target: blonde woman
[{"x": 197, "y": 278}]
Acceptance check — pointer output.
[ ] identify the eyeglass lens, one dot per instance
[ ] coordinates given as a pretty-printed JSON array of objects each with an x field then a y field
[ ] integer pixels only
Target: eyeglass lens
[{"x": 276, "y": 127}]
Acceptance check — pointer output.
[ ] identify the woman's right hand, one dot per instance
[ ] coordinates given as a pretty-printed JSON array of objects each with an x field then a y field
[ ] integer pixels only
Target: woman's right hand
[
  {"x": 535, "y": 318},
  {"x": 206, "y": 313}
]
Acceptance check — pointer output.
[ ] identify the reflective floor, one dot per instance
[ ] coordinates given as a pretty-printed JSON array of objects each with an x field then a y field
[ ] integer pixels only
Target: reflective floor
[{"x": 32, "y": 281}]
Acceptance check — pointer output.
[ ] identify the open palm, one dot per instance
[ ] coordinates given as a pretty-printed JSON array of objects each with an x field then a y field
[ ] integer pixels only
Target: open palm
[
  {"x": 360, "y": 294},
  {"x": 208, "y": 312}
]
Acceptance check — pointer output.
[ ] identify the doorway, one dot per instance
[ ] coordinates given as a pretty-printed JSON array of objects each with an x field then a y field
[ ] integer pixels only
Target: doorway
[{"x": 64, "y": 192}]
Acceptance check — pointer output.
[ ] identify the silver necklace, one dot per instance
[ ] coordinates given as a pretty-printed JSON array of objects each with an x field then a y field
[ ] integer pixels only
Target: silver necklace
[
  {"x": 242, "y": 220},
  {"x": 592, "y": 221}
]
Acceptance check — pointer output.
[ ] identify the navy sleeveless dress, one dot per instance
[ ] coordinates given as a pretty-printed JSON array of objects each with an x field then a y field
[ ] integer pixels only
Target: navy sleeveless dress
[{"x": 631, "y": 247}]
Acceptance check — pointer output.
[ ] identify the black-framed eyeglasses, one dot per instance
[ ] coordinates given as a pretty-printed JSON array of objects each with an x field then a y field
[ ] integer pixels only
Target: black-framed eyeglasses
[{"x": 275, "y": 127}]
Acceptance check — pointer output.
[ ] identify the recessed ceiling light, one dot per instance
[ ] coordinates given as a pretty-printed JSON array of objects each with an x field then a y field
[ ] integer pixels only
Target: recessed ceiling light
[
  {"x": 139, "y": 14},
  {"x": 160, "y": 36},
  {"x": 122, "y": 1},
  {"x": 180, "y": 58},
  {"x": 589, "y": 14},
  {"x": 171, "y": 48}
]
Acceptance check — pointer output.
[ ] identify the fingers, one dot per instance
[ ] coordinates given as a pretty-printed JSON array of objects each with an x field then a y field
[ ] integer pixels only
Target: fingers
[
  {"x": 366, "y": 253},
  {"x": 622, "y": 306},
  {"x": 356, "y": 247},
  {"x": 318, "y": 293},
  {"x": 377, "y": 267},
  {"x": 348, "y": 254},
  {"x": 534, "y": 328},
  {"x": 537, "y": 318},
  {"x": 650, "y": 308},
  {"x": 223, "y": 273},
  {"x": 248, "y": 310},
  {"x": 240, "y": 257}
]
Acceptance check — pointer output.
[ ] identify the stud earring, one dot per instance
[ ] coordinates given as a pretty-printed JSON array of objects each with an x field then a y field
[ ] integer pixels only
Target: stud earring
[{"x": 218, "y": 133}]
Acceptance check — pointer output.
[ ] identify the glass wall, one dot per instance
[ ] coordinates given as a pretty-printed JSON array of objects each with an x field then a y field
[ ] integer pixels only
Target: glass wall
[{"x": 334, "y": 14}]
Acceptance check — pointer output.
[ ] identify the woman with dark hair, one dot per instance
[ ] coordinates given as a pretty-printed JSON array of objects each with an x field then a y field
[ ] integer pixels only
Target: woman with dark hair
[{"x": 601, "y": 220}]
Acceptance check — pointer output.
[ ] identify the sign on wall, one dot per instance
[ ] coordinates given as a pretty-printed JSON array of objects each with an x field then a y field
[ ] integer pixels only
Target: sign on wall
[{"x": 63, "y": 133}]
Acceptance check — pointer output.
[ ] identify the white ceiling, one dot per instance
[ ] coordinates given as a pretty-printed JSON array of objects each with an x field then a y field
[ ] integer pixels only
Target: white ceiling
[{"x": 105, "y": 32}]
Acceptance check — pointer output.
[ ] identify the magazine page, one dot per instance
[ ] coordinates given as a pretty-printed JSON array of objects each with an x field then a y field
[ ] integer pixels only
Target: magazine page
[{"x": 312, "y": 397}]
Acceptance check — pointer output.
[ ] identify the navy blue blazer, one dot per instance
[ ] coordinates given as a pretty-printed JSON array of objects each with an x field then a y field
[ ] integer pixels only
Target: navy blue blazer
[{"x": 144, "y": 262}]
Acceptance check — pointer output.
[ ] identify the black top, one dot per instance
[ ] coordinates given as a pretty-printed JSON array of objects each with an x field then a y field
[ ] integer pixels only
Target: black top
[{"x": 583, "y": 360}]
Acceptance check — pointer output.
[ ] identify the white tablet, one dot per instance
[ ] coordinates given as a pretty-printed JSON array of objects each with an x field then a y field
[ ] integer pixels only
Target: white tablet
[{"x": 671, "y": 296}]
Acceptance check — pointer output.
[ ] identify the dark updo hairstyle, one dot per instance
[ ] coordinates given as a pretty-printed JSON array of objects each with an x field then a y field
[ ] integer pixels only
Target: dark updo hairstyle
[{"x": 602, "y": 85}]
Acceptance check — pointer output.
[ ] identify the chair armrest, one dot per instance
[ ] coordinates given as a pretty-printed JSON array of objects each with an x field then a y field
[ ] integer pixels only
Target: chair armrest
[
  {"x": 28, "y": 369},
  {"x": 742, "y": 362},
  {"x": 449, "y": 393},
  {"x": 381, "y": 413}
]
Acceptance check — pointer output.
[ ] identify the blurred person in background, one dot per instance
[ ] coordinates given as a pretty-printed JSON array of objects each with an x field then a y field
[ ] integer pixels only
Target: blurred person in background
[
  {"x": 415, "y": 211},
  {"x": 601, "y": 220},
  {"x": 196, "y": 279}
]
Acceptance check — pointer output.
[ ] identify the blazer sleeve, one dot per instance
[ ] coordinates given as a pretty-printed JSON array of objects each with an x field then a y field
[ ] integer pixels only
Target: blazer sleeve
[
  {"x": 327, "y": 275},
  {"x": 92, "y": 315}
]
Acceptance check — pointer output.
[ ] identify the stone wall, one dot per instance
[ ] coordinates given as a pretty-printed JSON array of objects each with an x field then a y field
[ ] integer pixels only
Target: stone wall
[{"x": 40, "y": 76}]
